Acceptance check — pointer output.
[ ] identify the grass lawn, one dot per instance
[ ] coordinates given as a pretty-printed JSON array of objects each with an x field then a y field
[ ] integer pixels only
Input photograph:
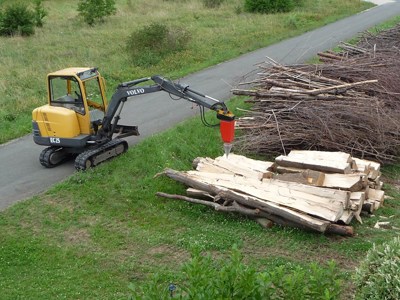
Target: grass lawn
[{"x": 93, "y": 234}]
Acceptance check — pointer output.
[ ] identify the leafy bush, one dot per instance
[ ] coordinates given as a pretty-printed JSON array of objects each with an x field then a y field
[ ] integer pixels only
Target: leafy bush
[
  {"x": 269, "y": 6},
  {"x": 378, "y": 276},
  {"x": 93, "y": 11},
  {"x": 39, "y": 13},
  {"x": 19, "y": 19},
  {"x": 212, "y": 3},
  {"x": 205, "y": 278},
  {"x": 149, "y": 44}
]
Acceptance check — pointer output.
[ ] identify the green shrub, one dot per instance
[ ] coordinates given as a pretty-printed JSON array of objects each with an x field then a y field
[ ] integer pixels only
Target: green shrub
[
  {"x": 149, "y": 44},
  {"x": 17, "y": 19},
  {"x": 269, "y": 6},
  {"x": 39, "y": 13},
  {"x": 212, "y": 3},
  {"x": 93, "y": 11},
  {"x": 205, "y": 278},
  {"x": 378, "y": 276}
]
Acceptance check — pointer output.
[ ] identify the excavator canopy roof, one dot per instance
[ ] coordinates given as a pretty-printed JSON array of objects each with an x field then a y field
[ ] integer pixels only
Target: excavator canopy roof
[{"x": 82, "y": 73}]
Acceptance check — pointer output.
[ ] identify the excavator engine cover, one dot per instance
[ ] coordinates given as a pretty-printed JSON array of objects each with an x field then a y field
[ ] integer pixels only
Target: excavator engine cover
[{"x": 54, "y": 122}]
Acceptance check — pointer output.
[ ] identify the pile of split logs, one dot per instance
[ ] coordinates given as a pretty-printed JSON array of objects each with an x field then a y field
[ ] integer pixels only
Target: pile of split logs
[
  {"x": 315, "y": 190},
  {"x": 349, "y": 102}
]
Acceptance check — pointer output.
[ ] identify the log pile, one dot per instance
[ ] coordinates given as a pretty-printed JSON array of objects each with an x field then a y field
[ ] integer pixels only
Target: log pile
[
  {"x": 349, "y": 102},
  {"x": 313, "y": 190}
]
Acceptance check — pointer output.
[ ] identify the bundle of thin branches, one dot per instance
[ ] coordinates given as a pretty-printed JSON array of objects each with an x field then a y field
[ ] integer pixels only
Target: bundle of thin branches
[
  {"x": 384, "y": 39},
  {"x": 333, "y": 106}
]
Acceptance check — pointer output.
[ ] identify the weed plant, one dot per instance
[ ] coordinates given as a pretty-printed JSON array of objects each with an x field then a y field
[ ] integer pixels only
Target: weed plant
[{"x": 204, "y": 277}]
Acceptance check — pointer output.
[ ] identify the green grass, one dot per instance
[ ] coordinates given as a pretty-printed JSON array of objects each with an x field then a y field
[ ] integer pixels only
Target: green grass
[
  {"x": 65, "y": 40},
  {"x": 93, "y": 234}
]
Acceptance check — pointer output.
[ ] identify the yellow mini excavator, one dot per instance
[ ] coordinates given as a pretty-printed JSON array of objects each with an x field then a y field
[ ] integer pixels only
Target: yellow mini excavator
[{"x": 79, "y": 121}]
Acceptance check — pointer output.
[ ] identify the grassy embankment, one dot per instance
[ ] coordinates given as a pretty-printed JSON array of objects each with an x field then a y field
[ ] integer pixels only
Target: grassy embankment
[
  {"x": 216, "y": 35},
  {"x": 91, "y": 235}
]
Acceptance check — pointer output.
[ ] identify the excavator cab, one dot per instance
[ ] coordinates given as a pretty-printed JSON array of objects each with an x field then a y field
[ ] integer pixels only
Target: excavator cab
[{"x": 76, "y": 105}]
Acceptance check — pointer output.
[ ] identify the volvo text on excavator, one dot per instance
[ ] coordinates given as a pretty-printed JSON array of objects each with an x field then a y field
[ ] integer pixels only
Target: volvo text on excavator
[{"x": 79, "y": 121}]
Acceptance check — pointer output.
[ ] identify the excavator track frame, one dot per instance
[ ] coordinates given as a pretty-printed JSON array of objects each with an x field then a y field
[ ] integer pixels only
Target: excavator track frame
[{"x": 93, "y": 157}]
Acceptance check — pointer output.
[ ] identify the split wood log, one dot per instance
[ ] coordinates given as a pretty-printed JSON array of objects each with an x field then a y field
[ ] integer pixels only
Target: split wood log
[
  {"x": 347, "y": 217},
  {"x": 348, "y": 182},
  {"x": 278, "y": 194},
  {"x": 321, "y": 155},
  {"x": 233, "y": 165},
  {"x": 310, "y": 177},
  {"x": 294, "y": 220},
  {"x": 376, "y": 195},
  {"x": 308, "y": 199},
  {"x": 327, "y": 166}
]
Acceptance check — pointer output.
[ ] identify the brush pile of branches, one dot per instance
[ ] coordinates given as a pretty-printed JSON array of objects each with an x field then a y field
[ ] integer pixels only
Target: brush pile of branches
[{"x": 349, "y": 102}]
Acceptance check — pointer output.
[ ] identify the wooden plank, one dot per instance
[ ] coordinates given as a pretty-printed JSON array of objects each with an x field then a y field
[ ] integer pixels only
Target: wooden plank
[
  {"x": 327, "y": 166},
  {"x": 365, "y": 165},
  {"x": 236, "y": 164},
  {"x": 321, "y": 155},
  {"x": 377, "y": 195},
  {"x": 301, "y": 219},
  {"x": 284, "y": 170},
  {"x": 347, "y": 217},
  {"x": 243, "y": 161},
  {"x": 348, "y": 182},
  {"x": 310, "y": 177}
]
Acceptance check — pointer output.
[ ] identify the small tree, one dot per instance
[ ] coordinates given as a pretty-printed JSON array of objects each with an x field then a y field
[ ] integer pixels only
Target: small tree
[
  {"x": 150, "y": 44},
  {"x": 269, "y": 6},
  {"x": 17, "y": 19},
  {"x": 93, "y": 11},
  {"x": 39, "y": 13}
]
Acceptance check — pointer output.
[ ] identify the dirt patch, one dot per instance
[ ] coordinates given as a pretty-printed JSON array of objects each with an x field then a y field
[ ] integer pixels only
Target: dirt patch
[{"x": 77, "y": 236}]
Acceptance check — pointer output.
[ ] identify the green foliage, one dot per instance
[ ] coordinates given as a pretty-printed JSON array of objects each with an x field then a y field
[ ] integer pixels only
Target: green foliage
[
  {"x": 378, "y": 275},
  {"x": 269, "y": 6},
  {"x": 212, "y": 3},
  {"x": 206, "y": 278},
  {"x": 149, "y": 44},
  {"x": 17, "y": 19},
  {"x": 93, "y": 11},
  {"x": 39, "y": 13}
]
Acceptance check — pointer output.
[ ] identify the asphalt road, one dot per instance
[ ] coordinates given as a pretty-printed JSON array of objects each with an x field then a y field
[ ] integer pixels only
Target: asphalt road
[{"x": 22, "y": 176}]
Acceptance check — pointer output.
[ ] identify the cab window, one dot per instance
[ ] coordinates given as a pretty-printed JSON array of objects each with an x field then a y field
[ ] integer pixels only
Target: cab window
[
  {"x": 65, "y": 92},
  {"x": 93, "y": 93}
]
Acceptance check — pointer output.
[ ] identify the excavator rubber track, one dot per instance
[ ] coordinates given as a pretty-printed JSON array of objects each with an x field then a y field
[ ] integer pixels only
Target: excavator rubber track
[
  {"x": 52, "y": 156},
  {"x": 92, "y": 158}
]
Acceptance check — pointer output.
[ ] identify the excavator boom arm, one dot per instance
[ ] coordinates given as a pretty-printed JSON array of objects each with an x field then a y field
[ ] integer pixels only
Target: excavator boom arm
[{"x": 131, "y": 89}]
